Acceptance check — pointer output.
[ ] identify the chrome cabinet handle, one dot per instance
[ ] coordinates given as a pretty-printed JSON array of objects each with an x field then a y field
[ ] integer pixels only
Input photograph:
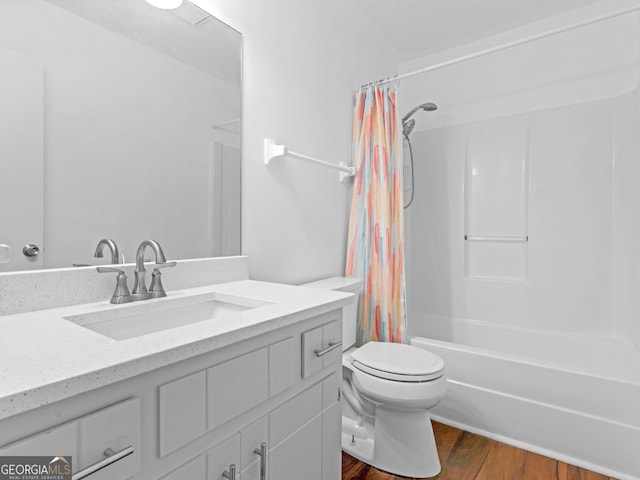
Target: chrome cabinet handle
[
  {"x": 324, "y": 351},
  {"x": 111, "y": 457},
  {"x": 231, "y": 473},
  {"x": 262, "y": 451}
]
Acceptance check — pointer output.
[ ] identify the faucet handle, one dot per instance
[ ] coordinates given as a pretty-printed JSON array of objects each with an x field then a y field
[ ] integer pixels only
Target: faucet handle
[
  {"x": 156, "y": 289},
  {"x": 109, "y": 270},
  {"x": 158, "y": 266},
  {"x": 121, "y": 293}
]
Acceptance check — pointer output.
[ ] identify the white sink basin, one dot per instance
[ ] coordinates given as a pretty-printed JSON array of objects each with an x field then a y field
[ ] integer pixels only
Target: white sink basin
[{"x": 138, "y": 319}]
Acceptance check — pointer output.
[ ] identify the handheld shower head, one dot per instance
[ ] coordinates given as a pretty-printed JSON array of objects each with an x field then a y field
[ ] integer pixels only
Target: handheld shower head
[
  {"x": 407, "y": 127},
  {"x": 427, "y": 107}
]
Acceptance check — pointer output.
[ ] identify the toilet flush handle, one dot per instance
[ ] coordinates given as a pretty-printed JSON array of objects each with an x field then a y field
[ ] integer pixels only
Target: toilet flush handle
[{"x": 324, "y": 351}]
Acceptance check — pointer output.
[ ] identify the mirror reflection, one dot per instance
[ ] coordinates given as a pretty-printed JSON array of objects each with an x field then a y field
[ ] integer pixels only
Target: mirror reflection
[{"x": 118, "y": 120}]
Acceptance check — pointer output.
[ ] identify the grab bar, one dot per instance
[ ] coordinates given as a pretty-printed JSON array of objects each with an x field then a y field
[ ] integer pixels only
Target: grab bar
[
  {"x": 111, "y": 457},
  {"x": 505, "y": 239}
]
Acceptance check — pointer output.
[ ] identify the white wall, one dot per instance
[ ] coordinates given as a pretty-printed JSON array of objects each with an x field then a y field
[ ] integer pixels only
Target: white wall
[
  {"x": 551, "y": 126},
  {"x": 590, "y": 63},
  {"x": 302, "y": 63}
]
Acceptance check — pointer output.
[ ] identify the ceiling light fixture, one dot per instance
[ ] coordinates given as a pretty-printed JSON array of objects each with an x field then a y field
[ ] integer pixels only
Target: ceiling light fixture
[{"x": 165, "y": 4}]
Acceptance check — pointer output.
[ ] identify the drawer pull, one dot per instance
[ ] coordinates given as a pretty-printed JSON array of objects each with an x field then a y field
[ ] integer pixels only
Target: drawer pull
[
  {"x": 262, "y": 451},
  {"x": 231, "y": 473},
  {"x": 324, "y": 351},
  {"x": 111, "y": 457}
]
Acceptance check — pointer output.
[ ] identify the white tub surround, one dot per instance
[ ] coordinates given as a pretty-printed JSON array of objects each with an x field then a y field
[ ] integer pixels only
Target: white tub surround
[
  {"x": 46, "y": 358},
  {"x": 522, "y": 239}
]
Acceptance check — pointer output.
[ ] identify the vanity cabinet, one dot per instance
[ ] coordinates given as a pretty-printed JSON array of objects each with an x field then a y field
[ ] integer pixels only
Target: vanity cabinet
[
  {"x": 250, "y": 407},
  {"x": 106, "y": 435}
]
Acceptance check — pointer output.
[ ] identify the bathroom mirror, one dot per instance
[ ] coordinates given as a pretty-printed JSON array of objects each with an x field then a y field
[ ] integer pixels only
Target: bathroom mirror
[{"x": 117, "y": 120}]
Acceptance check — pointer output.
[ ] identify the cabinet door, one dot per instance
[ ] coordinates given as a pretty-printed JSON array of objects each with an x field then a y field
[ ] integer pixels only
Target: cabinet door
[
  {"x": 299, "y": 456},
  {"x": 287, "y": 418},
  {"x": 196, "y": 469},
  {"x": 332, "y": 442},
  {"x": 251, "y": 438},
  {"x": 221, "y": 457}
]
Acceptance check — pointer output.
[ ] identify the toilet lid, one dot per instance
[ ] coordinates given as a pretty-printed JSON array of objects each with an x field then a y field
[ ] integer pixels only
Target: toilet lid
[{"x": 397, "y": 361}]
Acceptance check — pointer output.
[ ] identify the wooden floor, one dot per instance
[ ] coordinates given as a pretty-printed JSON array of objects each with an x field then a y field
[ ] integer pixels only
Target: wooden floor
[{"x": 466, "y": 456}]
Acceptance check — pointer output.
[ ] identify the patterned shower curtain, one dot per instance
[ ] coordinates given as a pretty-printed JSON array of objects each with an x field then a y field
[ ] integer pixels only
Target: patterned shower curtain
[{"x": 375, "y": 250}]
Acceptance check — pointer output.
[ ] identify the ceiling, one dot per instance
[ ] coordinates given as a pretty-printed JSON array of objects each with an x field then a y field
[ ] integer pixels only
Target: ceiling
[
  {"x": 411, "y": 28},
  {"x": 415, "y": 28},
  {"x": 210, "y": 45}
]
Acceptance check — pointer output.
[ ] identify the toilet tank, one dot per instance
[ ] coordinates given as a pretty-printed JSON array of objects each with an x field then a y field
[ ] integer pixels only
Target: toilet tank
[{"x": 350, "y": 312}]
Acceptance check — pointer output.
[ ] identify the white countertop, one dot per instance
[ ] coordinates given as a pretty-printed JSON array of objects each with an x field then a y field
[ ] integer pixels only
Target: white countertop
[{"x": 45, "y": 358}]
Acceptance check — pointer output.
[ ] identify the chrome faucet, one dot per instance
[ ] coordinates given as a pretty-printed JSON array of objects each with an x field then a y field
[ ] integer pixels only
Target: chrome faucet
[
  {"x": 121, "y": 293},
  {"x": 115, "y": 253},
  {"x": 140, "y": 291}
]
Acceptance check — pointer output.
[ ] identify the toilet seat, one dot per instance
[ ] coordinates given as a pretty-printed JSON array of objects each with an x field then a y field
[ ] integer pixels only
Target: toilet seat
[{"x": 397, "y": 362}]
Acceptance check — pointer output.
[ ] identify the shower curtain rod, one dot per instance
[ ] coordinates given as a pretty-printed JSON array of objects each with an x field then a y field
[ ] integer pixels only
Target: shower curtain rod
[{"x": 505, "y": 46}]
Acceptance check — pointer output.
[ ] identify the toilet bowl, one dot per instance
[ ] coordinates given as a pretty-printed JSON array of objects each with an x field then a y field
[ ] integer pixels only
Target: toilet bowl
[{"x": 387, "y": 391}]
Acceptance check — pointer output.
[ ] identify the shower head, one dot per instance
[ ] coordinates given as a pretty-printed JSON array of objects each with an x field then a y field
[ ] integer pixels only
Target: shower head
[
  {"x": 427, "y": 107},
  {"x": 407, "y": 127}
]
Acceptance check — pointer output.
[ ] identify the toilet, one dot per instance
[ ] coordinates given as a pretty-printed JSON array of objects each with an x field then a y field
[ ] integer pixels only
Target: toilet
[{"x": 387, "y": 391}]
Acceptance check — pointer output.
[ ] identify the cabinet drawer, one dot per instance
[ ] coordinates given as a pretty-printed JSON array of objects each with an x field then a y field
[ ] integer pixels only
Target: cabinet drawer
[
  {"x": 61, "y": 441},
  {"x": 317, "y": 340},
  {"x": 236, "y": 386},
  {"x": 282, "y": 366},
  {"x": 115, "y": 428}
]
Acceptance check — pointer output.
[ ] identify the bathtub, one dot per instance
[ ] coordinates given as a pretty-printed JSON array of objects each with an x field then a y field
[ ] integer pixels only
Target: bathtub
[{"x": 573, "y": 398}]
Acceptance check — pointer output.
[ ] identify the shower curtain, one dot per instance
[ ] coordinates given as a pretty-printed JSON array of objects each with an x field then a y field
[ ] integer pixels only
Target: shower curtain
[{"x": 375, "y": 249}]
